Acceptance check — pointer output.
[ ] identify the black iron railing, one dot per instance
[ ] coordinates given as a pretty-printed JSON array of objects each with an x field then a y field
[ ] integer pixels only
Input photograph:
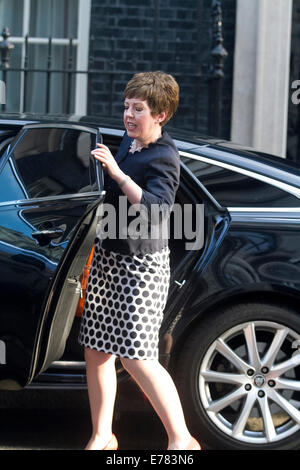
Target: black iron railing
[{"x": 213, "y": 75}]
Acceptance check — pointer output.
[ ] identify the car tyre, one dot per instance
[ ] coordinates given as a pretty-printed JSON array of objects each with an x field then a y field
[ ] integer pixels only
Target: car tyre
[{"x": 257, "y": 344}]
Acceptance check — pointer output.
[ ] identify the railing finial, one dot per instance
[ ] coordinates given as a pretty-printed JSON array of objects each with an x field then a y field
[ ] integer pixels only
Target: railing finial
[{"x": 6, "y": 47}]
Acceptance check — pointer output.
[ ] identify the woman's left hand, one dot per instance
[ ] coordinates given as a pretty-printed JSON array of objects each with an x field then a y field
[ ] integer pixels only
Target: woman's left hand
[{"x": 104, "y": 155}]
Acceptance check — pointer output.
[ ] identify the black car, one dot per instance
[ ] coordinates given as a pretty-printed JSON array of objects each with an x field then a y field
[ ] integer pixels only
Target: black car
[{"x": 231, "y": 330}]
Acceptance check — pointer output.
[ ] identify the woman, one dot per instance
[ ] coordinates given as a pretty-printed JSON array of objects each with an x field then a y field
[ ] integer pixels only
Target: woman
[{"x": 128, "y": 283}]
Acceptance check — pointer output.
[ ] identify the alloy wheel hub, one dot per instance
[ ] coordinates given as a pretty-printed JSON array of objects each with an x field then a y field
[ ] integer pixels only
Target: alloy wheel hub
[
  {"x": 259, "y": 380},
  {"x": 249, "y": 382}
]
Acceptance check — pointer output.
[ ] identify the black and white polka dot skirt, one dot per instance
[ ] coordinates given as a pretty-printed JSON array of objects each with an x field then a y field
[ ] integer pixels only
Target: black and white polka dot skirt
[{"x": 125, "y": 299}]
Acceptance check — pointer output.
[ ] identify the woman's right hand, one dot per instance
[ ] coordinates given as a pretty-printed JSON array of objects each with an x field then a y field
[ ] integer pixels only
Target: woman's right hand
[
  {"x": 104, "y": 155},
  {"x": 130, "y": 189}
]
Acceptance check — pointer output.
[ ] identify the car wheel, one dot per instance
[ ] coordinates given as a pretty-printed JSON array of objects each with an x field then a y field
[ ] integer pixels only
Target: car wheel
[{"x": 238, "y": 375}]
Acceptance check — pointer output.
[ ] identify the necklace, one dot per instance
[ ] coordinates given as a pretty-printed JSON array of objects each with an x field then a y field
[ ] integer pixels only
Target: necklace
[{"x": 136, "y": 147}]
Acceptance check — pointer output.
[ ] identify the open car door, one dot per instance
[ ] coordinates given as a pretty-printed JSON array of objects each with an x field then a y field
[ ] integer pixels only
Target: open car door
[
  {"x": 190, "y": 254},
  {"x": 50, "y": 191}
]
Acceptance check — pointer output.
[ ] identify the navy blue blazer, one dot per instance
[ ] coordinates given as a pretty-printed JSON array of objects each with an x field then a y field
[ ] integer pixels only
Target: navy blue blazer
[{"x": 156, "y": 169}]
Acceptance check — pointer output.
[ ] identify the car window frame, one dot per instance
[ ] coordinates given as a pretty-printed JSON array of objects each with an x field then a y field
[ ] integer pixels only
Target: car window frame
[
  {"x": 277, "y": 183},
  {"x": 98, "y": 170}
]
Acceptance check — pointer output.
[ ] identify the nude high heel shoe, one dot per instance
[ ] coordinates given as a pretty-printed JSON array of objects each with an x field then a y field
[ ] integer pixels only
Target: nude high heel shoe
[
  {"x": 112, "y": 444},
  {"x": 193, "y": 445}
]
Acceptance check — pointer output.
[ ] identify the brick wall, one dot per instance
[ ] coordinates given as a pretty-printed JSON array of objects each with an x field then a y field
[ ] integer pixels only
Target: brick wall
[{"x": 128, "y": 38}]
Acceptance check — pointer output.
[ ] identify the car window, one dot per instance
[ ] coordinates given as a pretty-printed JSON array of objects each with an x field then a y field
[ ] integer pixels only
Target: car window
[
  {"x": 233, "y": 189},
  {"x": 54, "y": 161}
]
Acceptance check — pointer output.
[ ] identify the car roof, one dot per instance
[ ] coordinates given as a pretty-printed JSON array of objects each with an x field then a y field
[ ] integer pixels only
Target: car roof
[{"x": 188, "y": 142}]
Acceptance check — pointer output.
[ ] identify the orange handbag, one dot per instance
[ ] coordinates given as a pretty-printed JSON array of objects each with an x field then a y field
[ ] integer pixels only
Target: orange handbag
[{"x": 83, "y": 280}]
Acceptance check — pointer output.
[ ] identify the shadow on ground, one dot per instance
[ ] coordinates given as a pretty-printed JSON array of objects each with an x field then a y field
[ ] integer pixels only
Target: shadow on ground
[{"x": 57, "y": 420}]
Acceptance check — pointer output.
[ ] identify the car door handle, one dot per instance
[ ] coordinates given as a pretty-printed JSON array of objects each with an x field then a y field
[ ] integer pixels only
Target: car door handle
[{"x": 46, "y": 235}]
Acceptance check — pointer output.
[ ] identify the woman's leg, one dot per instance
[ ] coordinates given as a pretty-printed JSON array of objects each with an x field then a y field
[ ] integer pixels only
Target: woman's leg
[
  {"x": 102, "y": 385},
  {"x": 159, "y": 387}
]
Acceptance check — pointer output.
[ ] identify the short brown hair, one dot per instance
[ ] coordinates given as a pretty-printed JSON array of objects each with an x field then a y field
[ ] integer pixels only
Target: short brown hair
[{"x": 159, "y": 89}]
